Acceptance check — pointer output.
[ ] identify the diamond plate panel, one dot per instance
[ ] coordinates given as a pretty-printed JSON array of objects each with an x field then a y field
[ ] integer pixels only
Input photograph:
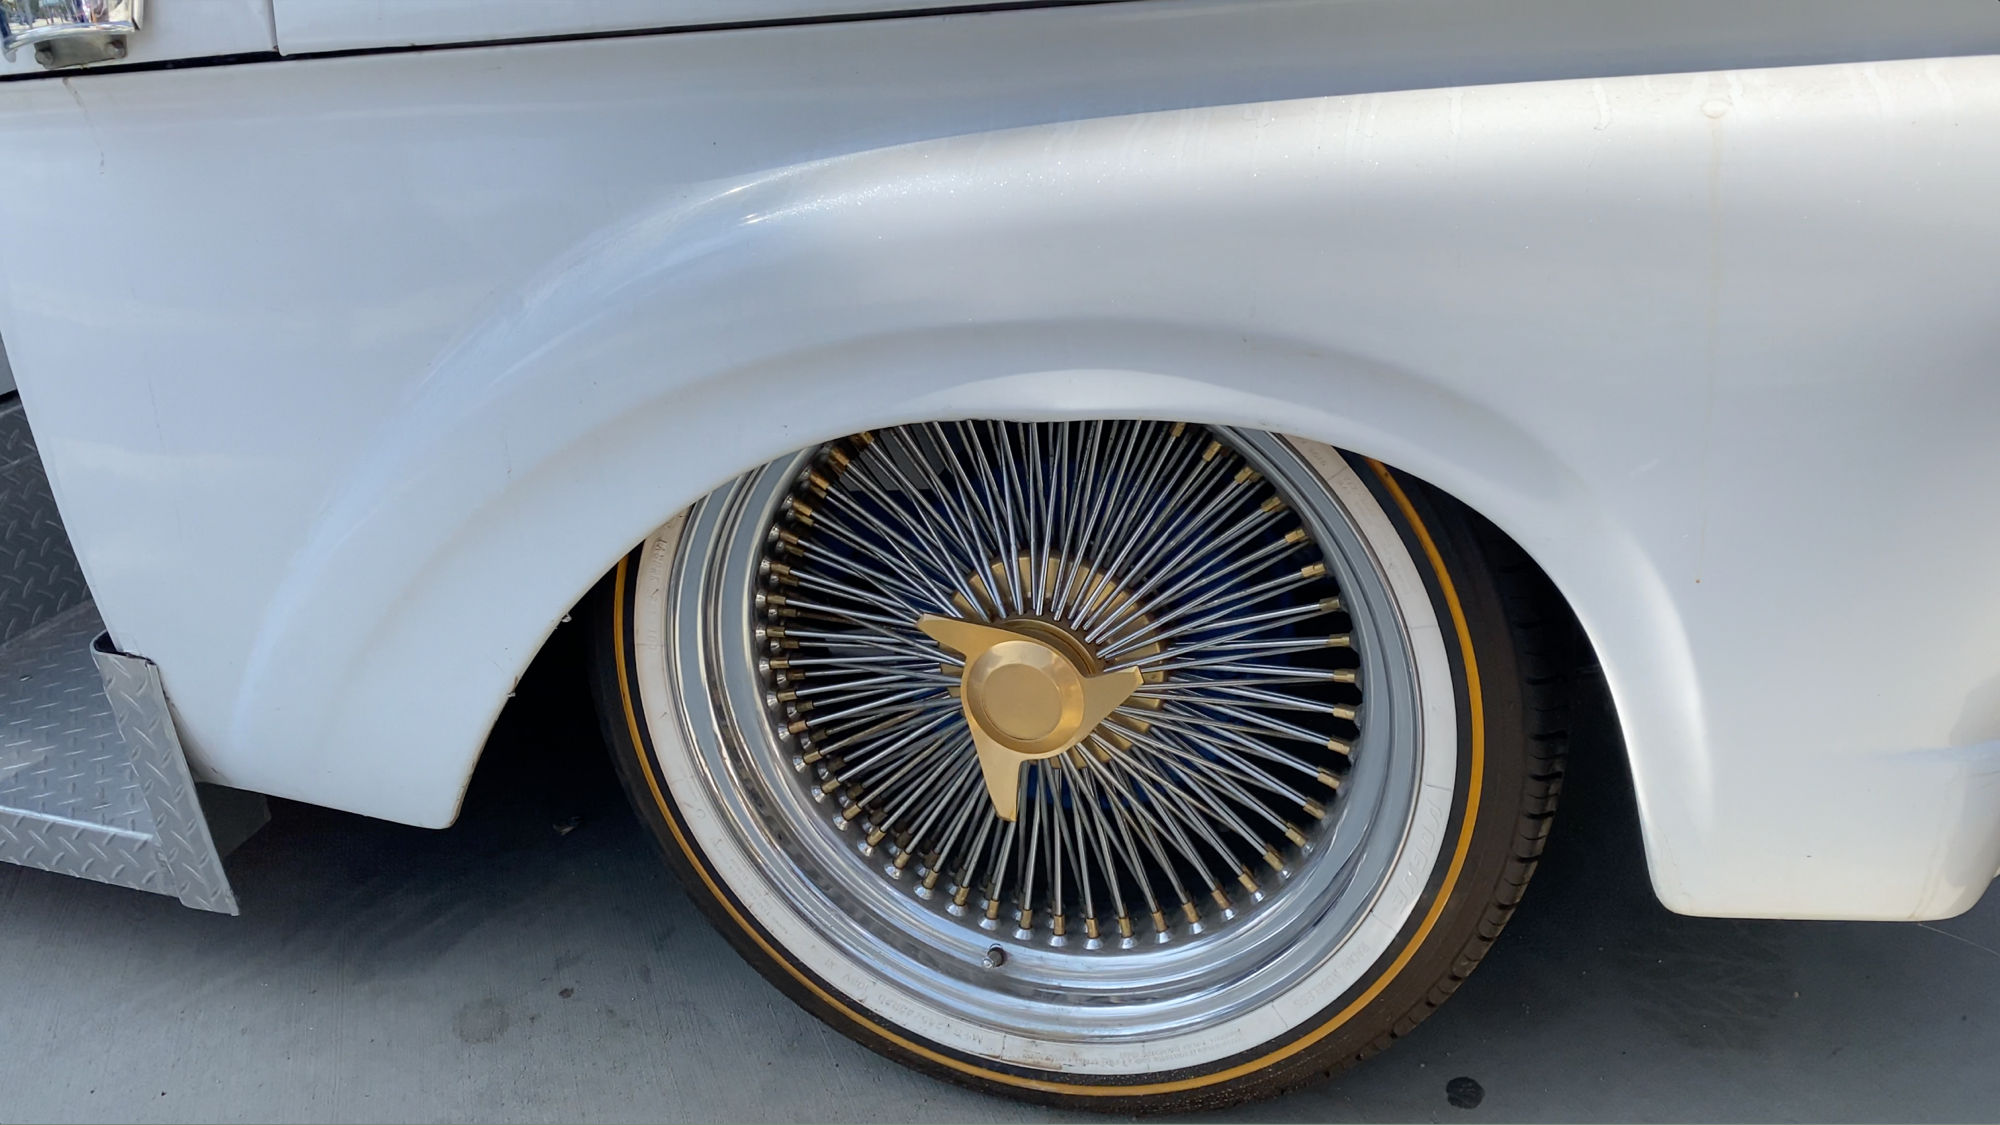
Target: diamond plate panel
[
  {"x": 39, "y": 576},
  {"x": 93, "y": 781},
  {"x": 61, "y": 755},
  {"x": 16, "y": 441},
  {"x": 87, "y": 851},
  {"x": 187, "y": 854}
]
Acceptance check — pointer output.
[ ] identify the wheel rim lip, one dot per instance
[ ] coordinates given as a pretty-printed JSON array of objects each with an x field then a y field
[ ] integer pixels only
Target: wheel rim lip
[{"x": 1051, "y": 994}]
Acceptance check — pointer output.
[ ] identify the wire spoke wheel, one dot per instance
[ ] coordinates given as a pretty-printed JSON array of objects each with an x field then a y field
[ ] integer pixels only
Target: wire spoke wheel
[
  {"x": 1091, "y": 749},
  {"x": 1142, "y": 548}
]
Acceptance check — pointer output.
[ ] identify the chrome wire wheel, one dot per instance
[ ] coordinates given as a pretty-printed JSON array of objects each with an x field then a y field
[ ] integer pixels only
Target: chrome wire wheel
[
  {"x": 1098, "y": 749},
  {"x": 1149, "y": 558}
]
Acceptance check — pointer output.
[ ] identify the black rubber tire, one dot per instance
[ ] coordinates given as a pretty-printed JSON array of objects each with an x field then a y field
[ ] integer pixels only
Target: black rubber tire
[{"x": 1515, "y": 646}]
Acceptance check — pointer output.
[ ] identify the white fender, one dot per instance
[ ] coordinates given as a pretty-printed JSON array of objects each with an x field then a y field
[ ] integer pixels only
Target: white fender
[
  {"x": 1714, "y": 348},
  {"x": 1521, "y": 294},
  {"x": 1178, "y": 265}
]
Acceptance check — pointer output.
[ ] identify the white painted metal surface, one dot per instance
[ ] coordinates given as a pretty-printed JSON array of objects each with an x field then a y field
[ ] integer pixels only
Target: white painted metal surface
[
  {"x": 342, "y": 25},
  {"x": 178, "y": 29},
  {"x": 409, "y": 348}
]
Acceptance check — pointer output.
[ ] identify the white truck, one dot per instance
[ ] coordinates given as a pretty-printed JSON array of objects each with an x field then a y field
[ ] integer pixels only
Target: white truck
[{"x": 1085, "y": 509}]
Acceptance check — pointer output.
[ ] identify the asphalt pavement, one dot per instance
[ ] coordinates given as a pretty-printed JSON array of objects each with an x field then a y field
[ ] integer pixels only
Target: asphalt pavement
[{"x": 536, "y": 963}]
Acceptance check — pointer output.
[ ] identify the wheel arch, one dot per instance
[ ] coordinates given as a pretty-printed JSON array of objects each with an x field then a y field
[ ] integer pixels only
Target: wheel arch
[{"x": 718, "y": 331}]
